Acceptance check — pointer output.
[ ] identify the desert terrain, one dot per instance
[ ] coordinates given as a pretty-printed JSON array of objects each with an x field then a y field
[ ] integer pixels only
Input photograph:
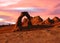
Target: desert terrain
[{"x": 43, "y": 32}]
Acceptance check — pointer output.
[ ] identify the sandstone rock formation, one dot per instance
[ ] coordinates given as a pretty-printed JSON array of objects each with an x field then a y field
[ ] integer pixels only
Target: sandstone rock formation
[
  {"x": 48, "y": 21},
  {"x": 19, "y": 21},
  {"x": 56, "y": 19},
  {"x": 36, "y": 20}
]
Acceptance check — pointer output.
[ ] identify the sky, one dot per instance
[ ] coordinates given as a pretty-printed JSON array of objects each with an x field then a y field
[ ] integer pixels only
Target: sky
[{"x": 11, "y": 9}]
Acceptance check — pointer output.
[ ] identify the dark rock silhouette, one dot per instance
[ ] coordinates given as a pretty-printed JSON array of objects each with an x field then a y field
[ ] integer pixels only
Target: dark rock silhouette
[
  {"x": 56, "y": 19},
  {"x": 19, "y": 21}
]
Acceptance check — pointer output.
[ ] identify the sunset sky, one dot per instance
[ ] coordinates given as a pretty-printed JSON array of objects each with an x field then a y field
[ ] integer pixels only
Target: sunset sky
[{"x": 10, "y": 9}]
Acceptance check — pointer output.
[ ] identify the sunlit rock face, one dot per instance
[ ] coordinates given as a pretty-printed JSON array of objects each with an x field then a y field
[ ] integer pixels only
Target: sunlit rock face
[
  {"x": 48, "y": 21},
  {"x": 25, "y": 22},
  {"x": 36, "y": 20},
  {"x": 56, "y": 19}
]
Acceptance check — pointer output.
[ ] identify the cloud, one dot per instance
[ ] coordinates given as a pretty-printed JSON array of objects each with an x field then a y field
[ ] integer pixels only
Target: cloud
[
  {"x": 28, "y": 9},
  {"x": 6, "y": 23},
  {"x": 8, "y": 2},
  {"x": 1, "y": 19},
  {"x": 6, "y": 20},
  {"x": 4, "y": 17},
  {"x": 56, "y": 12},
  {"x": 58, "y": 5}
]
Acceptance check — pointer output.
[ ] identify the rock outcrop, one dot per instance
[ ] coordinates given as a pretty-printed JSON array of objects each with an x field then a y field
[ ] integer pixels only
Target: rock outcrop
[
  {"x": 48, "y": 21},
  {"x": 36, "y": 20},
  {"x": 33, "y": 21},
  {"x": 56, "y": 19},
  {"x": 19, "y": 20}
]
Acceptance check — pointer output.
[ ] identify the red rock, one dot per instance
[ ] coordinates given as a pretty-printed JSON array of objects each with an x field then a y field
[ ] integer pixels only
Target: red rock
[
  {"x": 48, "y": 21},
  {"x": 36, "y": 20},
  {"x": 25, "y": 22},
  {"x": 56, "y": 19}
]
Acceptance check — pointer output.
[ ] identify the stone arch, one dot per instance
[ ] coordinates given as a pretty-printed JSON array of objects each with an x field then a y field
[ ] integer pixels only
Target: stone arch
[{"x": 19, "y": 21}]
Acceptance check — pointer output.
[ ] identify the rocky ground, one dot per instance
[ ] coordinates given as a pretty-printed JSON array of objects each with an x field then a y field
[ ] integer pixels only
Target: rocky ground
[{"x": 48, "y": 35}]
